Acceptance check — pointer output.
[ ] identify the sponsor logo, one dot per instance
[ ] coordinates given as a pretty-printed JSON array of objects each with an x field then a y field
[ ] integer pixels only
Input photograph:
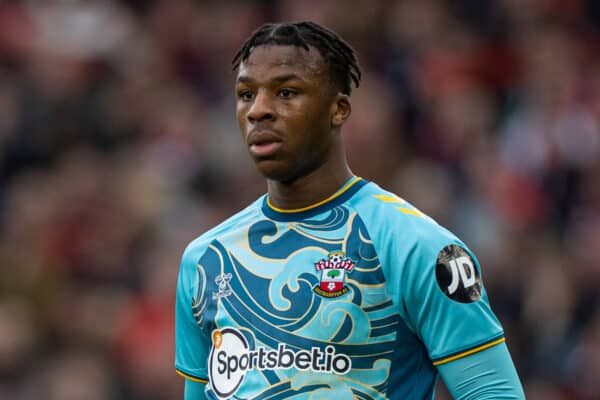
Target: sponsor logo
[
  {"x": 333, "y": 273},
  {"x": 231, "y": 358},
  {"x": 457, "y": 276}
]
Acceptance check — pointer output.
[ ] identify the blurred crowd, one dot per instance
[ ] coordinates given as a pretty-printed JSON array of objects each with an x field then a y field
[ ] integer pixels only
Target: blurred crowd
[{"x": 118, "y": 145}]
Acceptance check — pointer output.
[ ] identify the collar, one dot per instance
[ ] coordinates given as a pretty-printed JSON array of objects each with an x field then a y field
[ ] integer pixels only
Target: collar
[{"x": 344, "y": 193}]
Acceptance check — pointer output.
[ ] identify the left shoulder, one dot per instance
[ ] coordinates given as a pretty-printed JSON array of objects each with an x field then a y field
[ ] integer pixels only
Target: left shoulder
[{"x": 388, "y": 213}]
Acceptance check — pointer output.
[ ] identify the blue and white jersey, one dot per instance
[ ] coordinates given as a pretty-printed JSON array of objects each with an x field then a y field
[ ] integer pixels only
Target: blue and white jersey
[{"x": 359, "y": 296}]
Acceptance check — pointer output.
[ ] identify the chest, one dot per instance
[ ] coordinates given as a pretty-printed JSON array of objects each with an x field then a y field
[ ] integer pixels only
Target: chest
[
  {"x": 283, "y": 301},
  {"x": 309, "y": 283}
]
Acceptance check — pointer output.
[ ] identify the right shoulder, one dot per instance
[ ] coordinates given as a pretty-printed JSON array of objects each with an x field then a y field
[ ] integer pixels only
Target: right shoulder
[{"x": 245, "y": 217}]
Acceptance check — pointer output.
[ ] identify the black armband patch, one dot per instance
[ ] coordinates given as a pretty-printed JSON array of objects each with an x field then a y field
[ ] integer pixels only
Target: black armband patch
[{"x": 457, "y": 276}]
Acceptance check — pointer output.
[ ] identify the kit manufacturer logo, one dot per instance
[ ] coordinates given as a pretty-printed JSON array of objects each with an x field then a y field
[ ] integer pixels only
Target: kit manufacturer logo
[{"x": 222, "y": 282}]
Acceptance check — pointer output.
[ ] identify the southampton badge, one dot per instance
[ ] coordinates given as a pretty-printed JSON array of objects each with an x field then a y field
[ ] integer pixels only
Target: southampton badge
[{"x": 333, "y": 271}]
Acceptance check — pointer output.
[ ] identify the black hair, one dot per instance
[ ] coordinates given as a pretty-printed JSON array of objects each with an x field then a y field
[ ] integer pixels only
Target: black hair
[{"x": 340, "y": 56}]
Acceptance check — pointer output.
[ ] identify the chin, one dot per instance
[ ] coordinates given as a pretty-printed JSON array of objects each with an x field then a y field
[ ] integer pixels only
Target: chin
[
  {"x": 274, "y": 175},
  {"x": 275, "y": 171}
]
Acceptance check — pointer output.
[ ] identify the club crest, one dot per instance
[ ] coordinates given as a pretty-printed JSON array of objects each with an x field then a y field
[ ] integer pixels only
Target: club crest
[{"x": 333, "y": 274}]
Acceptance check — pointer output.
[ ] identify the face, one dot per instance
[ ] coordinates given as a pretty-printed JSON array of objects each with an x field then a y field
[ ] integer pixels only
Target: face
[{"x": 287, "y": 110}]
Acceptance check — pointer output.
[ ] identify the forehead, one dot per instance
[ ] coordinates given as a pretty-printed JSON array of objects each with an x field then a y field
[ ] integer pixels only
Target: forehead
[{"x": 283, "y": 58}]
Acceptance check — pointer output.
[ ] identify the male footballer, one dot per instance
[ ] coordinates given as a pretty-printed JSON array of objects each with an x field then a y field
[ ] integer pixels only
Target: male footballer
[{"x": 328, "y": 286}]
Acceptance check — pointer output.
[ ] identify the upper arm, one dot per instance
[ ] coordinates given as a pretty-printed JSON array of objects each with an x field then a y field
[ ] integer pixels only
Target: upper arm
[
  {"x": 191, "y": 344},
  {"x": 445, "y": 300},
  {"x": 488, "y": 374},
  {"x": 450, "y": 312},
  {"x": 435, "y": 279},
  {"x": 193, "y": 390}
]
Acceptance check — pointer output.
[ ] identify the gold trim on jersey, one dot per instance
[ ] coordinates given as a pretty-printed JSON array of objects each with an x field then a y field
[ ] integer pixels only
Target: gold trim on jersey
[
  {"x": 469, "y": 352},
  {"x": 355, "y": 180},
  {"x": 410, "y": 211},
  {"x": 191, "y": 378},
  {"x": 389, "y": 199}
]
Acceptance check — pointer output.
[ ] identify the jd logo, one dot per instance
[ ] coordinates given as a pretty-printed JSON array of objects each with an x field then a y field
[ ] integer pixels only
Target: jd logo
[{"x": 457, "y": 275}]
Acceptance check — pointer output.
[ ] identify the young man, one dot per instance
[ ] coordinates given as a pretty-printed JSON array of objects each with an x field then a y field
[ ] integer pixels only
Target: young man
[{"x": 328, "y": 286}]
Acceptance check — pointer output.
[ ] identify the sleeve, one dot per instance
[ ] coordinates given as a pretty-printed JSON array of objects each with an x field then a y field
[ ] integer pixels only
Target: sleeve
[
  {"x": 488, "y": 374},
  {"x": 445, "y": 301},
  {"x": 194, "y": 391},
  {"x": 191, "y": 344}
]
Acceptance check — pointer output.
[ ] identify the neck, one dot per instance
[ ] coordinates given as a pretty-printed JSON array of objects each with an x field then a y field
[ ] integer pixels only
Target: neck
[{"x": 308, "y": 189}]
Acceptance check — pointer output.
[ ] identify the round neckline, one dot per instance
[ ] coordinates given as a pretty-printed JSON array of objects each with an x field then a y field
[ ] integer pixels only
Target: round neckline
[{"x": 345, "y": 192}]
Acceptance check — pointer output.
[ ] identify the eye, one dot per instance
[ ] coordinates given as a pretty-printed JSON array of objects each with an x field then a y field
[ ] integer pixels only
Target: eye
[
  {"x": 286, "y": 93},
  {"x": 245, "y": 95}
]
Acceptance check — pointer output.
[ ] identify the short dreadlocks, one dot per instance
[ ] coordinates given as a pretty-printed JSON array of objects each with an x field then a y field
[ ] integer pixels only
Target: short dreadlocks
[{"x": 340, "y": 56}]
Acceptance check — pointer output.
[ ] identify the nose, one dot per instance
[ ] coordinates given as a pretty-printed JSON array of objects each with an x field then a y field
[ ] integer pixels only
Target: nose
[{"x": 261, "y": 108}]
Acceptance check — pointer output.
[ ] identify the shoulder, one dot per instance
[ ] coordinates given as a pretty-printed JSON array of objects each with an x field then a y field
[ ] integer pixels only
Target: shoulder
[
  {"x": 416, "y": 251},
  {"x": 409, "y": 243},
  {"x": 388, "y": 216},
  {"x": 245, "y": 217}
]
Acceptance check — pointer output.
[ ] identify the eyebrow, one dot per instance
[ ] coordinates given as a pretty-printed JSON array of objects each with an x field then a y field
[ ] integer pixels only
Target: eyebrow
[{"x": 277, "y": 79}]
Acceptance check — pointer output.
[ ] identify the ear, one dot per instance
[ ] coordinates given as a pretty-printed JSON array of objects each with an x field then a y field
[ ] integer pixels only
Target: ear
[{"x": 340, "y": 110}]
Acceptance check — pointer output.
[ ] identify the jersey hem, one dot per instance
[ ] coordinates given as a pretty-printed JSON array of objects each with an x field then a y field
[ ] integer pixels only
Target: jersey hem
[
  {"x": 191, "y": 377},
  {"x": 491, "y": 343}
]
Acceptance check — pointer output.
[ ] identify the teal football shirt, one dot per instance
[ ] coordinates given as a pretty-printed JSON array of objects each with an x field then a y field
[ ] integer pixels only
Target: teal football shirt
[{"x": 358, "y": 296}]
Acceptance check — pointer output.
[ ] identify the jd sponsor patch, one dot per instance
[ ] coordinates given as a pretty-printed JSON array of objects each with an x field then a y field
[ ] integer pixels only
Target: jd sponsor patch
[{"x": 457, "y": 275}]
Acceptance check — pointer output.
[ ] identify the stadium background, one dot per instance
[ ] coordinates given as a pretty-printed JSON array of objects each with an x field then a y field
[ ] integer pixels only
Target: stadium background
[{"x": 118, "y": 145}]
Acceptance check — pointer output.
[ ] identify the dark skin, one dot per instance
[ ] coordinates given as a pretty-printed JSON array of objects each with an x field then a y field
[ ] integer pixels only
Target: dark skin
[{"x": 290, "y": 115}]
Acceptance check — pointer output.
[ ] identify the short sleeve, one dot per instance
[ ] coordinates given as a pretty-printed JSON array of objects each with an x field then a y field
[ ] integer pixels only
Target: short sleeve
[
  {"x": 488, "y": 374},
  {"x": 191, "y": 344},
  {"x": 445, "y": 301}
]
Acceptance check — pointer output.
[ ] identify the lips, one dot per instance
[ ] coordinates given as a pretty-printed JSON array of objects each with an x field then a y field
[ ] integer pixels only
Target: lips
[
  {"x": 263, "y": 143},
  {"x": 264, "y": 149}
]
